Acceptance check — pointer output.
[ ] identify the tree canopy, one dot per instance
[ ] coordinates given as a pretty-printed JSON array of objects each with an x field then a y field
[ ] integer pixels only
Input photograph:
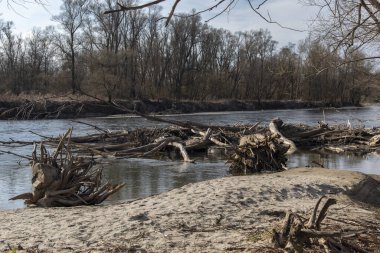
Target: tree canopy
[
  {"x": 126, "y": 53},
  {"x": 348, "y": 25}
]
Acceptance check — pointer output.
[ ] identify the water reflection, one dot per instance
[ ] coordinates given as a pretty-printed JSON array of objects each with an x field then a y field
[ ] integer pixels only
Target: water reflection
[
  {"x": 17, "y": 180},
  {"x": 145, "y": 177},
  {"x": 368, "y": 163}
]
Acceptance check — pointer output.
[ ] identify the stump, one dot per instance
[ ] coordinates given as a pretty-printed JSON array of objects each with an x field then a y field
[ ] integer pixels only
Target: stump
[
  {"x": 65, "y": 180},
  {"x": 297, "y": 234}
]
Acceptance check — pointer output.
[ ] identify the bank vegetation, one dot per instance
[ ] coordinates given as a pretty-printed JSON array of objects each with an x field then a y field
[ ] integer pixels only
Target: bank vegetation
[{"x": 133, "y": 55}]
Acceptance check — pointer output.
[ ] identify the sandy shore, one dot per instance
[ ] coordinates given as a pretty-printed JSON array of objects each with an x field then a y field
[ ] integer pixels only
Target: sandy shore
[{"x": 232, "y": 214}]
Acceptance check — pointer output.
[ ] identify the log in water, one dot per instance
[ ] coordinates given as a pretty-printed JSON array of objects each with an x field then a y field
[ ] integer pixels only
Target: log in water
[{"x": 145, "y": 177}]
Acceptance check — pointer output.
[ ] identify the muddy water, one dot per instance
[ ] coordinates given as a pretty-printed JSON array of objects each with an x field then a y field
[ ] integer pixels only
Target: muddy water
[{"x": 146, "y": 177}]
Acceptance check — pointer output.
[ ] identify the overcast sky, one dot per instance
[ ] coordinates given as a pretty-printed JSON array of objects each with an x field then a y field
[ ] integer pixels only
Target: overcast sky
[{"x": 289, "y": 13}]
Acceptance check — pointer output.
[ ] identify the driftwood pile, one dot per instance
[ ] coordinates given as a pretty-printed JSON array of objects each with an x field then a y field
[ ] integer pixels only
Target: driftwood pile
[
  {"x": 252, "y": 152},
  {"x": 297, "y": 234},
  {"x": 257, "y": 153},
  {"x": 251, "y": 148},
  {"x": 156, "y": 142},
  {"x": 62, "y": 179},
  {"x": 265, "y": 151},
  {"x": 337, "y": 138}
]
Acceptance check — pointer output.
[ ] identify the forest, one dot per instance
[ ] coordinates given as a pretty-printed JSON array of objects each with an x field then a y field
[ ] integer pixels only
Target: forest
[
  {"x": 135, "y": 179},
  {"x": 133, "y": 55}
]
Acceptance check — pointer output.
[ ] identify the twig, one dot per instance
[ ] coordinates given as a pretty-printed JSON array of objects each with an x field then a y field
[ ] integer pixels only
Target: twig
[
  {"x": 91, "y": 125},
  {"x": 21, "y": 156}
]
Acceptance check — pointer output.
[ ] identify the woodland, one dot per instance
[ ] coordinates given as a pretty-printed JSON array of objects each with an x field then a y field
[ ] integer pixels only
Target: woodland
[
  {"x": 123, "y": 50},
  {"x": 142, "y": 54}
]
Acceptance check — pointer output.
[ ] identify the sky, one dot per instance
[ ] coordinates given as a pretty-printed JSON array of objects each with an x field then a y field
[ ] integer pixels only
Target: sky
[{"x": 289, "y": 13}]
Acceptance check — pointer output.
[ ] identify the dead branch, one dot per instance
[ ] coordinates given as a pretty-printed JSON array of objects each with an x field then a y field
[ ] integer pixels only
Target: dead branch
[
  {"x": 295, "y": 235},
  {"x": 160, "y": 144},
  {"x": 208, "y": 136},
  {"x": 20, "y": 156},
  {"x": 91, "y": 125},
  {"x": 138, "y": 7},
  {"x": 229, "y": 5}
]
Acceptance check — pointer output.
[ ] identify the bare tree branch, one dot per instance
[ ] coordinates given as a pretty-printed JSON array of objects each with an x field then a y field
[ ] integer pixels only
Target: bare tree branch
[
  {"x": 347, "y": 24},
  {"x": 270, "y": 21},
  {"x": 261, "y": 4},
  {"x": 220, "y": 13},
  {"x": 130, "y": 8},
  {"x": 172, "y": 12},
  {"x": 371, "y": 13},
  {"x": 174, "y": 6}
]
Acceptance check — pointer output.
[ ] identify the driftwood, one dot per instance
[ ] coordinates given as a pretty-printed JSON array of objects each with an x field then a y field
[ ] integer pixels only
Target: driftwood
[
  {"x": 182, "y": 150},
  {"x": 273, "y": 127},
  {"x": 185, "y": 138},
  {"x": 336, "y": 139},
  {"x": 303, "y": 137},
  {"x": 374, "y": 141},
  {"x": 257, "y": 153},
  {"x": 322, "y": 128},
  {"x": 208, "y": 136},
  {"x": 62, "y": 179},
  {"x": 297, "y": 234},
  {"x": 149, "y": 142}
]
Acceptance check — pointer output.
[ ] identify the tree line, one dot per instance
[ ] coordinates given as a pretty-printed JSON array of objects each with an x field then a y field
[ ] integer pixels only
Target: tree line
[{"x": 133, "y": 55}]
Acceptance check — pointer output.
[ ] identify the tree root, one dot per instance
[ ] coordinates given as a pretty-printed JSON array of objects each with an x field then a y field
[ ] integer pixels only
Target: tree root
[
  {"x": 296, "y": 234},
  {"x": 62, "y": 179},
  {"x": 257, "y": 153}
]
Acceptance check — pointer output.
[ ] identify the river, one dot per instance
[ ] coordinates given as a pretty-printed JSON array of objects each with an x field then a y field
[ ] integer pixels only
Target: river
[{"x": 145, "y": 177}]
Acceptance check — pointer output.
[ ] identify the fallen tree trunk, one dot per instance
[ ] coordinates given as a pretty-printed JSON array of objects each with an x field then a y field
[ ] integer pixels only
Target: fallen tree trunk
[
  {"x": 208, "y": 136},
  {"x": 183, "y": 151},
  {"x": 273, "y": 127},
  {"x": 321, "y": 129}
]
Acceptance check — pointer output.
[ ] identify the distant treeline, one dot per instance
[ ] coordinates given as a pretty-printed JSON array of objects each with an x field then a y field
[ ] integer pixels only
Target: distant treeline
[{"x": 132, "y": 55}]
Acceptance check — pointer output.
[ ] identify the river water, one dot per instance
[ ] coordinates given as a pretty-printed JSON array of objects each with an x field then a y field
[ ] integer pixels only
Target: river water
[{"x": 145, "y": 177}]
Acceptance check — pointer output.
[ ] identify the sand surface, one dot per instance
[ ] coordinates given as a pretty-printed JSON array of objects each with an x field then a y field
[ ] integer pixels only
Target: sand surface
[{"x": 232, "y": 214}]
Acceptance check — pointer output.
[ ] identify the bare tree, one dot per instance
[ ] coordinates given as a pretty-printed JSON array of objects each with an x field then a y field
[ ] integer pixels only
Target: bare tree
[
  {"x": 348, "y": 25},
  {"x": 71, "y": 19},
  {"x": 11, "y": 47},
  {"x": 130, "y": 55},
  {"x": 40, "y": 56}
]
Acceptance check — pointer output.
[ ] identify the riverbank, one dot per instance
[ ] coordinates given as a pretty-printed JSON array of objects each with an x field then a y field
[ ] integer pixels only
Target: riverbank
[
  {"x": 233, "y": 214},
  {"x": 64, "y": 107}
]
